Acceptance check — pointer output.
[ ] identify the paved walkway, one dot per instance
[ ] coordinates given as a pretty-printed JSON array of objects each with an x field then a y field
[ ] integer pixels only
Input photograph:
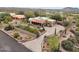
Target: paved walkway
[{"x": 35, "y": 45}]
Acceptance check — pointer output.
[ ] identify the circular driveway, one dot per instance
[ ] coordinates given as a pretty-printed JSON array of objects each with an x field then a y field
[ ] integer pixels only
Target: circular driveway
[{"x": 35, "y": 45}]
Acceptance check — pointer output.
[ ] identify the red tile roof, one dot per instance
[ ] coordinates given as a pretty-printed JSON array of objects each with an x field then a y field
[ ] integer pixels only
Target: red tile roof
[
  {"x": 18, "y": 16},
  {"x": 39, "y": 21}
]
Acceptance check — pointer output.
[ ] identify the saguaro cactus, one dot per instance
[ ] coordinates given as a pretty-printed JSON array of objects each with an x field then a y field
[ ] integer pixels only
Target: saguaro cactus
[{"x": 55, "y": 32}]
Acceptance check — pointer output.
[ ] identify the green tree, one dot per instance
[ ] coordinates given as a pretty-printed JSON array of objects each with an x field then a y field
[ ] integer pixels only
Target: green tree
[
  {"x": 21, "y": 12},
  {"x": 66, "y": 23},
  {"x": 29, "y": 14},
  {"x": 41, "y": 13},
  {"x": 77, "y": 22},
  {"x": 67, "y": 45},
  {"x": 7, "y": 19},
  {"x": 56, "y": 17},
  {"x": 36, "y": 13},
  {"x": 2, "y": 16},
  {"x": 77, "y": 38},
  {"x": 73, "y": 40}
]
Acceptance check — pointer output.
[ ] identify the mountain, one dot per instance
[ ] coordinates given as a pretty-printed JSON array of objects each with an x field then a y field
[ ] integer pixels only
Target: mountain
[
  {"x": 70, "y": 9},
  {"x": 16, "y": 9}
]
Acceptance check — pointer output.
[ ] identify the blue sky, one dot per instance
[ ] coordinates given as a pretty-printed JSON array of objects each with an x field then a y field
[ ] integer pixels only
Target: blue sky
[{"x": 39, "y": 3}]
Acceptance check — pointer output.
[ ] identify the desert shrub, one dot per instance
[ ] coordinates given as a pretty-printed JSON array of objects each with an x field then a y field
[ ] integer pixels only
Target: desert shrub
[
  {"x": 16, "y": 35},
  {"x": 9, "y": 27},
  {"x": 53, "y": 43},
  {"x": 67, "y": 45},
  {"x": 65, "y": 23}
]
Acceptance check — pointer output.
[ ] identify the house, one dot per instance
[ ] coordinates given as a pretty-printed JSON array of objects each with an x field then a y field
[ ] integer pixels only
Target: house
[
  {"x": 16, "y": 19},
  {"x": 41, "y": 20},
  {"x": 37, "y": 21}
]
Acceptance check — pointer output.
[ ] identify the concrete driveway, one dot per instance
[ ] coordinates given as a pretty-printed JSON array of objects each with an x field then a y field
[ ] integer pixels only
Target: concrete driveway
[{"x": 35, "y": 45}]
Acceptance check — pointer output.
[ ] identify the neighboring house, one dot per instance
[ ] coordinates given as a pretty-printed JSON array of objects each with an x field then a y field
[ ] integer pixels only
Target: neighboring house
[
  {"x": 12, "y": 14},
  {"x": 17, "y": 19}
]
